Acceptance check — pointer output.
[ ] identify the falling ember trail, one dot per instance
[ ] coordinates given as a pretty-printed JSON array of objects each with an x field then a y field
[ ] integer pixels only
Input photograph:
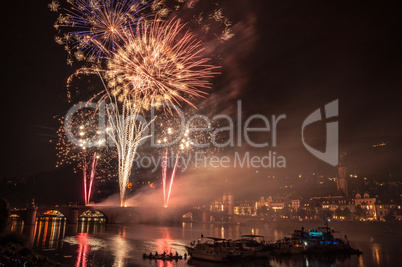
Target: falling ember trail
[
  {"x": 88, "y": 181},
  {"x": 164, "y": 170},
  {"x": 85, "y": 182},
  {"x": 126, "y": 132},
  {"x": 92, "y": 175},
  {"x": 171, "y": 180}
]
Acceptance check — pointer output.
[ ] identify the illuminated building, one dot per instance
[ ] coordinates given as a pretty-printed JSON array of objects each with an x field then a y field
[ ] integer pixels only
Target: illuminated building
[
  {"x": 295, "y": 204},
  {"x": 277, "y": 205},
  {"x": 383, "y": 209},
  {"x": 228, "y": 204},
  {"x": 367, "y": 204},
  {"x": 263, "y": 202},
  {"x": 274, "y": 203},
  {"x": 217, "y": 205},
  {"x": 224, "y": 204},
  {"x": 335, "y": 204},
  {"x": 246, "y": 209}
]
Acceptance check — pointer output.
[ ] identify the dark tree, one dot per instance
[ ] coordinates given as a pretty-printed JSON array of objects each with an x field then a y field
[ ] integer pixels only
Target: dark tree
[
  {"x": 3, "y": 215},
  {"x": 302, "y": 213},
  {"x": 324, "y": 213},
  {"x": 390, "y": 215},
  {"x": 360, "y": 213},
  {"x": 347, "y": 213}
]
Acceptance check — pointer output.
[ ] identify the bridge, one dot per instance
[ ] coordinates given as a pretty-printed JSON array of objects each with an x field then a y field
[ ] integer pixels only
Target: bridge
[{"x": 112, "y": 215}]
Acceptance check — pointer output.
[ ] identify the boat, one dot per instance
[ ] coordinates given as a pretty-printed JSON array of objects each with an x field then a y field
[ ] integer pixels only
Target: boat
[
  {"x": 165, "y": 257},
  {"x": 253, "y": 246},
  {"x": 213, "y": 249},
  {"x": 289, "y": 246},
  {"x": 322, "y": 240}
]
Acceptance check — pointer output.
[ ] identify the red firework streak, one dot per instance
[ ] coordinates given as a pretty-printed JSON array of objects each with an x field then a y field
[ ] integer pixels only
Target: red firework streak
[
  {"x": 166, "y": 197},
  {"x": 164, "y": 170},
  {"x": 91, "y": 178},
  {"x": 172, "y": 178},
  {"x": 85, "y": 181},
  {"x": 92, "y": 175}
]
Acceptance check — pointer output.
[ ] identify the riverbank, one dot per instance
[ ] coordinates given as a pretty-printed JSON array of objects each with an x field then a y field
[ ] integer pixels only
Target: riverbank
[{"x": 13, "y": 252}]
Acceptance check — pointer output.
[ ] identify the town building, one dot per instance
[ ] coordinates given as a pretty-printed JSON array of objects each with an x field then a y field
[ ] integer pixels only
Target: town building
[
  {"x": 295, "y": 204},
  {"x": 224, "y": 204},
  {"x": 245, "y": 208},
  {"x": 368, "y": 204}
]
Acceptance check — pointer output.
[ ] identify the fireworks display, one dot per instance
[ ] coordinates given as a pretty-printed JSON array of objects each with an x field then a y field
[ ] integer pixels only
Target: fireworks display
[
  {"x": 89, "y": 177},
  {"x": 167, "y": 191},
  {"x": 91, "y": 155},
  {"x": 177, "y": 144},
  {"x": 95, "y": 27},
  {"x": 143, "y": 62},
  {"x": 160, "y": 64},
  {"x": 206, "y": 18},
  {"x": 127, "y": 132}
]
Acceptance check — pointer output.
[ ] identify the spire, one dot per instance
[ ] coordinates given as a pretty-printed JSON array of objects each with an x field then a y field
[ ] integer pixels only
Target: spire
[{"x": 342, "y": 183}]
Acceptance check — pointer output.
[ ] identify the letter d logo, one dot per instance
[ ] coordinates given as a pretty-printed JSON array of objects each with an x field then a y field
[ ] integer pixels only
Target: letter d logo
[{"x": 330, "y": 155}]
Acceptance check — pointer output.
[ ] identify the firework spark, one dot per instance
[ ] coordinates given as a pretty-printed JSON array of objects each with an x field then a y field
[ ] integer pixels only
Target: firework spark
[
  {"x": 205, "y": 15},
  {"x": 93, "y": 160},
  {"x": 160, "y": 64},
  {"x": 173, "y": 137},
  {"x": 127, "y": 132},
  {"x": 54, "y": 6},
  {"x": 95, "y": 27}
]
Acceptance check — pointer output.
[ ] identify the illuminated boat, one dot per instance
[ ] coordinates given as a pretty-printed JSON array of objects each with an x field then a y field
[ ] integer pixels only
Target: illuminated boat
[
  {"x": 289, "y": 246},
  {"x": 322, "y": 240},
  {"x": 253, "y": 246},
  {"x": 213, "y": 249}
]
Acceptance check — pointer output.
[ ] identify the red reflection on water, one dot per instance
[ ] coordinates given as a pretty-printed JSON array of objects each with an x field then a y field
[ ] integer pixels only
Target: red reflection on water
[
  {"x": 45, "y": 231},
  {"x": 17, "y": 225},
  {"x": 164, "y": 244},
  {"x": 162, "y": 263},
  {"x": 83, "y": 250},
  {"x": 122, "y": 232}
]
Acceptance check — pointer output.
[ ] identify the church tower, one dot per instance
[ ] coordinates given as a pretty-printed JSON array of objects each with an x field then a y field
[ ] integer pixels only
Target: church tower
[{"x": 342, "y": 181}]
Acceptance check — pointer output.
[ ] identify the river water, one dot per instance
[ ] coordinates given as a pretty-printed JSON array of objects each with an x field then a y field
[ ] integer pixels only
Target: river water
[{"x": 99, "y": 244}]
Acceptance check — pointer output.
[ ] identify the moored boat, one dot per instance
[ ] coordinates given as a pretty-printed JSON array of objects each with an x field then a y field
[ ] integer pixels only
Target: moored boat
[
  {"x": 322, "y": 240},
  {"x": 213, "y": 249},
  {"x": 164, "y": 256},
  {"x": 289, "y": 246},
  {"x": 253, "y": 246}
]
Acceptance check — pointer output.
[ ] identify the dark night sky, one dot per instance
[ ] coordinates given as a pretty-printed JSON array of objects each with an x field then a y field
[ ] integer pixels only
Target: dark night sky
[{"x": 305, "y": 54}]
